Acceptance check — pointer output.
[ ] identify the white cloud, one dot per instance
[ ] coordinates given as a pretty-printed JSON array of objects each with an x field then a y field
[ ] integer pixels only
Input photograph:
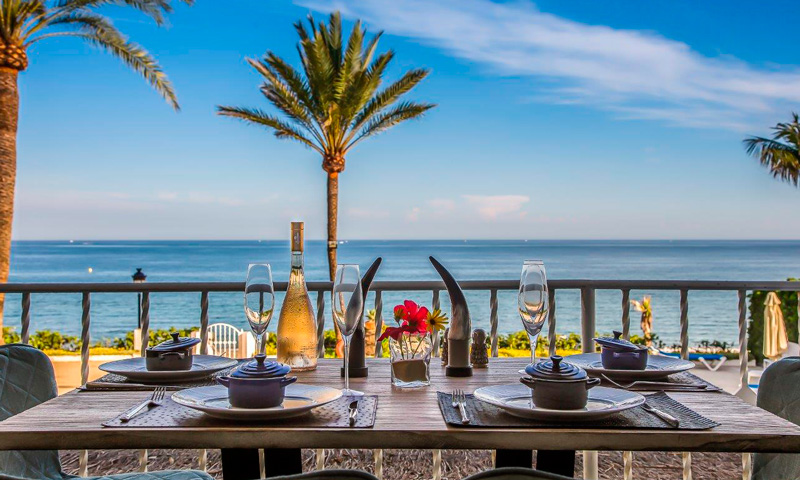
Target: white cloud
[
  {"x": 490, "y": 207},
  {"x": 635, "y": 74},
  {"x": 413, "y": 215}
]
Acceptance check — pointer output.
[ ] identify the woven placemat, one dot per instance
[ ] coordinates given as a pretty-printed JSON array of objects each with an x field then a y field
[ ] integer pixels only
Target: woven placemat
[
  {"x": 682, "y": 378},
  {"x": 118, "y": 382},
  {"x": 482, "y": 414},
  {"x": 331, "y": 415}
]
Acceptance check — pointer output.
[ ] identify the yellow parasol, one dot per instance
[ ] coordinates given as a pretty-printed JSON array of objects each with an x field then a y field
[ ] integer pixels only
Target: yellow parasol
[{"x": 775, "y": 340}]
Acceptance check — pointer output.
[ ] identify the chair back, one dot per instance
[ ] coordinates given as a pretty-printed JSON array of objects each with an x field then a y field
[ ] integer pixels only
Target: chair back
[
  {"x": 515, "y": 473},
  {"x": 26, "y": 380},
  {"x": 223, "y": 340},
  {"x": 779, "y": 393}
]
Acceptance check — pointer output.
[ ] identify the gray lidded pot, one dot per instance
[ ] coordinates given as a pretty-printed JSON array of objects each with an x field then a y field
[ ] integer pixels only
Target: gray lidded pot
[
  {"x": 558, "y": 385},
  {"x": 620, "y": 354},
  {"x": 257, "y": 384},
  {"x": 175, "y": 354}
]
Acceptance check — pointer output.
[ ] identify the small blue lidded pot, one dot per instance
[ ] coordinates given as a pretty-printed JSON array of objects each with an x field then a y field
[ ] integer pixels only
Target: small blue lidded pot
[
  {"x": 257, "y": 384},
  {"x": 620, "y": 354}
]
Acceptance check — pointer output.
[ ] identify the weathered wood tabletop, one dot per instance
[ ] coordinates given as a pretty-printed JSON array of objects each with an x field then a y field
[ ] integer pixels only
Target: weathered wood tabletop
[{"x": 405, "y": 419}]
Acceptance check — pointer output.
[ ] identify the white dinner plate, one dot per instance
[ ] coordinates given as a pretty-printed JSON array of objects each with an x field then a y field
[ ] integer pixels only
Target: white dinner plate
[
  {"x": 134, "y": 369},
  {"x": 658, "y": 367},
  {"x": 516, "y": 399},
  {"x": 299, "y": 399}
]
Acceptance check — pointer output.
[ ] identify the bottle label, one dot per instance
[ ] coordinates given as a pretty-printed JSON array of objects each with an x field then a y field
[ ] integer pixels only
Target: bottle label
[{"x": 297, "y": 236}]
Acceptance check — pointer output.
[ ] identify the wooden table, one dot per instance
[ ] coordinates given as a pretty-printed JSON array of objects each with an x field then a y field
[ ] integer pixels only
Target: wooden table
[{"x": 405, "y": 419}]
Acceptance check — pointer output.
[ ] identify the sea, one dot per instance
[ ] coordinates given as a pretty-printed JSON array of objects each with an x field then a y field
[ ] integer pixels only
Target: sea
[{"x": 712, "y": 315}]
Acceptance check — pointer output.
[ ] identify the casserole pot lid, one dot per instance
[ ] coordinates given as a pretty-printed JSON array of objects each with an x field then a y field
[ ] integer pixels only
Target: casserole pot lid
[
  {"x": 177, "y": 344},
  {"x": 260, "y": 368},
  {"x": 556, "y": 369},
  {"x": 619, "y": 344}
]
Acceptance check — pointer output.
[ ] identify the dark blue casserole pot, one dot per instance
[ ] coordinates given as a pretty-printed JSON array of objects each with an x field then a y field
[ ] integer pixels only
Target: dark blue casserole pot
[
  {"x": 257, "y": 384},
  {"x": 620, "y": 354}
]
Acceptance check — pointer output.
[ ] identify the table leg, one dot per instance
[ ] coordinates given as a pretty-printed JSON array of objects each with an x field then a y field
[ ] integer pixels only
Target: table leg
[
  {"x": 240, "y": 464},
  {"x": 513, "y": 458},
  {"x": 282, "y": 461},
  {"x": 561, "y": 462}
]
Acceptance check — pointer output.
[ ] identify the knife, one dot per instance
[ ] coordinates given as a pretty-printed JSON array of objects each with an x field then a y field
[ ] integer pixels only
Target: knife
[{"x": 353, "y": 412}]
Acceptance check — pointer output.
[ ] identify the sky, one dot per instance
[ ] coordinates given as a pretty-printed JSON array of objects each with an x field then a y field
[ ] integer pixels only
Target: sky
[{"x": 554, "y": 120}]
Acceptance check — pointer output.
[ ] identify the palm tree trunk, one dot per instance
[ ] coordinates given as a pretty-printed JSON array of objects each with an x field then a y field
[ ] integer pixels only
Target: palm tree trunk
[
  {"x": 9, "y": 113},
  {"x": 333, "y": 212}
]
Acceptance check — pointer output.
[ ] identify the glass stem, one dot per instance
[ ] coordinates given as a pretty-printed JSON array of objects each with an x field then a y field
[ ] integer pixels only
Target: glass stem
[
  {"x": 259, "y": 342},
  {"x": 533, "y": 348},
  {"x": 346, "y": 363}
]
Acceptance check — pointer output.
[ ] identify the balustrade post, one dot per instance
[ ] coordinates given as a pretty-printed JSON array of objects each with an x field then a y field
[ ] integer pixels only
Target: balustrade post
[
  {"x": 321, "y": 324},
  {"x": 493, "y": 320},
  {"x": 378, "y": 330},
  {"x": 203, "y": 456},
  {"x": 86, "y": 305},
  {"x": 377, "y": 456},
  {"x": 747, "y": 466},
  {"x": 686, "y": 463},
  {"x": 627, "y": 457},
  {"x": 145, "y": 322},
  {"x": 320, "y": 454},
  {"x": 627, "y": 465},
  {"x": 590, "y": 469},
  {"x": 685, "y": 324},
  {"x": 744, "y": 392},
  {"x": 204, "y": 323},
  {"x": 435, "y": 306},
  {"x": 437, "y": 464},
  {"x": 626, "y": 314},
  {"x": 25, "y": 320},
  {"x": 587, "y": 319},
  {"x": 551, "y": 320}
]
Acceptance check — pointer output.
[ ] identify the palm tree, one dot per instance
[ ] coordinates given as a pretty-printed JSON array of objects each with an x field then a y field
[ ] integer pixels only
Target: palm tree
[
  {"x": 25, "y": 22},
  {"x": 335, "y": 102},
  {"x": 781, "y": 153}
]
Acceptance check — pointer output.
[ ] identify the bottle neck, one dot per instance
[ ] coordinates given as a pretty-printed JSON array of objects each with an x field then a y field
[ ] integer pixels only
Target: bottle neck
[{"x": 297, "y": 261}]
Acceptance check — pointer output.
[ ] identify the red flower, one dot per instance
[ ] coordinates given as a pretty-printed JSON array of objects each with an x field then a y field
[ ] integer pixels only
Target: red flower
[
  {"x": 399, "y": 313},
  {"x": 394, "y": 332}
]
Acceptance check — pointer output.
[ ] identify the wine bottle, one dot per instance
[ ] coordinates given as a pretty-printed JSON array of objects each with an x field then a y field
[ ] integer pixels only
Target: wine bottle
[{"x": 297, "y": 329}]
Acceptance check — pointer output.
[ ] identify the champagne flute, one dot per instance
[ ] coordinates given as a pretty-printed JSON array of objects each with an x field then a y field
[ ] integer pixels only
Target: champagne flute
[
  {"x": 347, "y": 304},
  {"x": 259, "y": 302},
  {"x": 533, "y": 301}
]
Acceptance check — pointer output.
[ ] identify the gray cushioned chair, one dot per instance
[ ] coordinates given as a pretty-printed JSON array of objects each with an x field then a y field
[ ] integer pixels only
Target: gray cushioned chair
[
  {"x": 779, "y": 393},
  {"x": 515, "y": 473},
  {"x": 26, "y": 380}
]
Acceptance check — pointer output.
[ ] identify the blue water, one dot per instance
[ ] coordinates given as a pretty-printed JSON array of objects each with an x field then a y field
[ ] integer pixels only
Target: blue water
[{"x": 712, "y": 315}]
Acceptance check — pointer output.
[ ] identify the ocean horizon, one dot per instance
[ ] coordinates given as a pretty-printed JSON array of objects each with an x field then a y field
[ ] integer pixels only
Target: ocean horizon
[{"x": 712, "y": 315}]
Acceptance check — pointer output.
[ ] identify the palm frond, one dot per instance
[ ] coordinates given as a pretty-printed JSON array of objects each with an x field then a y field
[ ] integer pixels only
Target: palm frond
[
  {"x": 782, "y": 160},
  {"x": 99, "y": 31},
  {"x": 280, "y": 128},
  {"x": 400, "y": 113},
  {"x": 389, "y": 95}
]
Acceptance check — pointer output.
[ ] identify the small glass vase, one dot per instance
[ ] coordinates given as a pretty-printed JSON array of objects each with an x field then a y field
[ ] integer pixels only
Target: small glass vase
[{"x": 411, "y": 358}]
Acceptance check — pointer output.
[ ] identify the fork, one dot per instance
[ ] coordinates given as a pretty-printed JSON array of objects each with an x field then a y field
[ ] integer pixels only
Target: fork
[
  {"x": 460, "y": 402},
  {"x": 667, "y": 385},
  {"x": 155, "y": 400}
]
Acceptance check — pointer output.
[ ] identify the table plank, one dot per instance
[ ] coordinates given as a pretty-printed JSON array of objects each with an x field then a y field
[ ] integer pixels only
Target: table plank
[{"x": 405, "y": 419}]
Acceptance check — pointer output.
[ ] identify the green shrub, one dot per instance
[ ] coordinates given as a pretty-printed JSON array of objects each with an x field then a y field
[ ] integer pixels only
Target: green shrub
[
  {"x": 10, "y": 335},
  {"x": 156, "y": 337},
  {"x": 49, "y": 340},
  {"x": 755, "y": 330}
]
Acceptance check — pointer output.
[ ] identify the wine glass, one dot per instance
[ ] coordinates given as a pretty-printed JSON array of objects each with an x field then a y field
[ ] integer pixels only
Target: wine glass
[
  {"x": 533, "y": 301},
  {"x": 259, "y": 302},
  {"x": 347, "y": 304}
]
